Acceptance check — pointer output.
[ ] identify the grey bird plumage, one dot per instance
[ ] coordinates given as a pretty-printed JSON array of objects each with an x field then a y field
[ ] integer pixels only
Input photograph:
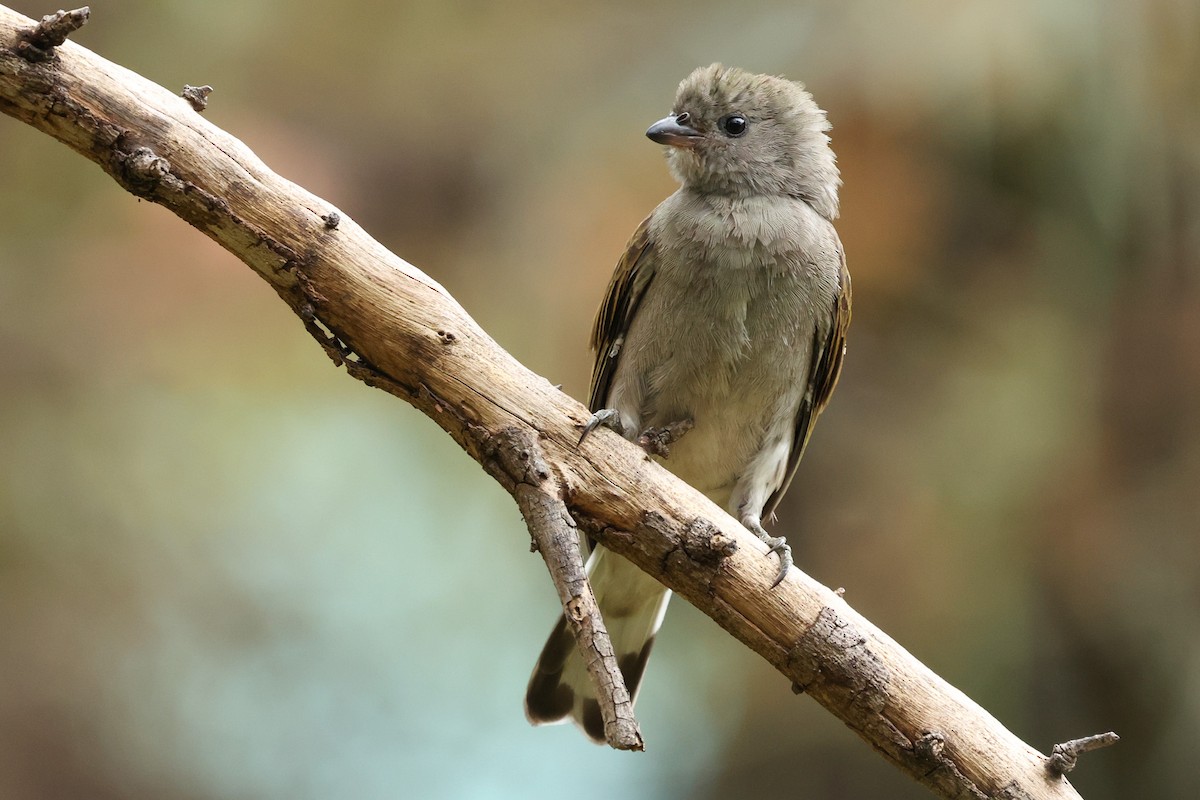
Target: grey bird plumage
[{"x": 729, "y": 309}]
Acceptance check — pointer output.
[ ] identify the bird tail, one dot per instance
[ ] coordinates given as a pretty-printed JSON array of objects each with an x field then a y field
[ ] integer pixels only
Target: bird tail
[{"x": 632, "y": 604}]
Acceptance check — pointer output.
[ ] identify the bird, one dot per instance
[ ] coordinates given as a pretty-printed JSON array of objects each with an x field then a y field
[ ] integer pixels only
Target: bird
[{"x": 719, "y": 341}]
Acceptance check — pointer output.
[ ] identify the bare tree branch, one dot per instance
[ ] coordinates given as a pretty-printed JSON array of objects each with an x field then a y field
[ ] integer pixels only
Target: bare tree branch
[{"x": 396, "y": 329}]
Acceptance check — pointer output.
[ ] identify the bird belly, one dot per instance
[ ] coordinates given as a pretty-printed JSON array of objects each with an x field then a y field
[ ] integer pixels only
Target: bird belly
[{"x": 730, "y": 351}]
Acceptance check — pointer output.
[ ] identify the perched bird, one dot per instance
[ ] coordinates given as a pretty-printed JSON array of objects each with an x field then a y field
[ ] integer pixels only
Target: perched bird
[{"x": 722, "y": 334}]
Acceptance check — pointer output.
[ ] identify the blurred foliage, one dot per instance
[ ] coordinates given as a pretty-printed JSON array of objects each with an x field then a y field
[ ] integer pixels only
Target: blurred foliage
[{"x": 226, "y": 570}]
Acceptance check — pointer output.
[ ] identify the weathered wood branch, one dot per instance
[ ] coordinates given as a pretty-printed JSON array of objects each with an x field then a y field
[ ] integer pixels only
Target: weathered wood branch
[{"x": 396, "y": 329}]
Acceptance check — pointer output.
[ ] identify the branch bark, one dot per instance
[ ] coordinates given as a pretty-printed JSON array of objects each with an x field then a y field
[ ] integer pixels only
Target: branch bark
[{"x": 396, "y": 329}]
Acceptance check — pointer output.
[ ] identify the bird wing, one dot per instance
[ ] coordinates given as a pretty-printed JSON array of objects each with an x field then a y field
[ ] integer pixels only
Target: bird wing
[
  {"x": 823, "y": 374},
  {"x": 633, "y": 275}
]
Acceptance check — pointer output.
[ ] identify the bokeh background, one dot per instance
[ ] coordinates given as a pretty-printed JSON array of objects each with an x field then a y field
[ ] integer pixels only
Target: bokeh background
[{"x": 229, "y": 571}]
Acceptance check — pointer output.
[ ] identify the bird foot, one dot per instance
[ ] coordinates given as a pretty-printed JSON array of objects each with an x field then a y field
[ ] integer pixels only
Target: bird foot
[
  {"x": 609, "y": 418},
  {"x": 775, "y": 544},
  {"x": 658, "y": 441}
]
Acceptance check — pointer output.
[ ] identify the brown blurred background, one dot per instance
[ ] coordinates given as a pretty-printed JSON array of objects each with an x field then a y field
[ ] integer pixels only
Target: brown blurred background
[{"x": 229, "y": 571}]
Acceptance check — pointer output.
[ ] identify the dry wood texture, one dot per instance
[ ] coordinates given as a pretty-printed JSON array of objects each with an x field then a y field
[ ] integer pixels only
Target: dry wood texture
[{"x": 395, "y": 328}]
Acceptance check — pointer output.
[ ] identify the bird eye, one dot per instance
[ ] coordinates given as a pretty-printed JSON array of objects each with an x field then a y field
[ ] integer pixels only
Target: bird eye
[{"x": 734, "y": 125}]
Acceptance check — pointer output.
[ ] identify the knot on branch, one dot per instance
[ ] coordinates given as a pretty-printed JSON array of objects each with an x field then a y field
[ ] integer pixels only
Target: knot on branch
[
  {"x": 519, "y": 458},
  {"x": 576, "y": 609},
  {"x": 143, "y": 170},
  {"x": 930, "y": 746},
  {"x": 197, "y": 96},
  {"x": 930, "y": 750},
  {"x": 707, "y": 544},
  {"x": 37, "y": 43}
]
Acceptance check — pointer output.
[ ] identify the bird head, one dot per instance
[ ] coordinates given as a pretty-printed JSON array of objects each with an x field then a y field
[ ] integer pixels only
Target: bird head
[{"x": 736, "y": 133}]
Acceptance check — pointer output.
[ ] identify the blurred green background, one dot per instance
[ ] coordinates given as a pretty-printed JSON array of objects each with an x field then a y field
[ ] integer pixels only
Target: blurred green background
[{"x": 229, "y": 571}]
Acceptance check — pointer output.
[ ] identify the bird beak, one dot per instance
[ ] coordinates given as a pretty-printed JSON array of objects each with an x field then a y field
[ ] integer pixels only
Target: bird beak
[{"x": 669, "y": 131}]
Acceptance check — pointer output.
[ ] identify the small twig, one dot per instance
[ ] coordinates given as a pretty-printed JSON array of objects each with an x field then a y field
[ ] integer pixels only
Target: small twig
[
  {"x": 38, "y": 42},
  {"x": 518, "y": 460},
  {"x": 1064, "y": 756}
]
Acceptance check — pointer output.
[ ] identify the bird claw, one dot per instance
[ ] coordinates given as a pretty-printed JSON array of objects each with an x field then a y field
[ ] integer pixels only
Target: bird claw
[
  {"x": 608, "y": 417},
  {"x": 658, "y": 441},
  {"x": 775, "y": 544},
  {"x": 779, "y": 545}
]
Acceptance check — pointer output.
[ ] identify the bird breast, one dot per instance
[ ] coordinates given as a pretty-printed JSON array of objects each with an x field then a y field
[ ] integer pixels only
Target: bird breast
[{"x": 724, "y": 333}]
